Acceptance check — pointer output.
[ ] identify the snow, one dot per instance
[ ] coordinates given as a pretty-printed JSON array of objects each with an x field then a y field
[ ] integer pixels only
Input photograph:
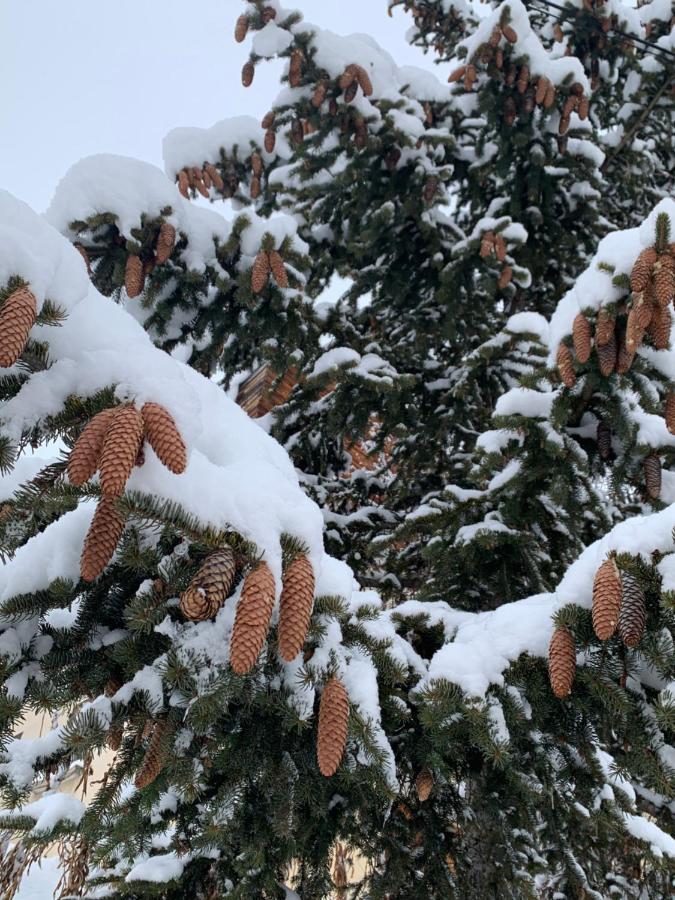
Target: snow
[
  {"x": 25, "y": 469},
  {"x": 158, "y": 869},
  {"x": 528, "y": 323},
  {"x": 194, "y": 146},
  {"x": 271, "y": 40},
  {"x": 525, "y": 402},
  {"x": 52, "y": 808},
  {"x": 40, "y": 882}
]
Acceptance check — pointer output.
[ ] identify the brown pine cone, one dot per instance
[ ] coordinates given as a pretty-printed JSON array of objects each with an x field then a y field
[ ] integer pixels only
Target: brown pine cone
[
  {"x": 241, "y": 29},
  {"x": 604, "y": 328},
  {"x": 582, "y": 338},
  {"x": 510, "y": 34},
  {"x": 319, "y": 94},
  {"x": 252, "y": 618},
  {"x": 500, "y": 248},
  {"x": 155, "y": 756},
  {"x": 164, "y": 437},
  {"x": 102, "y": 538},
  {"x": 659, "y": 327},
  {"x": 351, "y": 91},
  {"x": 297, "y": 599},
  {"x": 562, "y": 662},
  {"x": 642, "y": 270},
  {"x": 664, "y": 279},
  {"x": 424, "y": 785},
  {"x": 670, "y": 413},
  {"x": 470, "y": 77},
  {"x": 247, "y": 74},
  {"x": 487, "y": 244},
  {"x": 17, "y": 317},
  {"x": 607, "y": 592},
  {"x": 505, "y": 277},
  {"x": 540, "y": 92},
  {"x": 347, "y": 79},
  {"x": 268, "y": 120},
  {"x": 134, "y": 278},
  {"x": 215, "y": 176},
  {"x": 549, "y": 98},
  {"x": 333, "y": 726},
  {"x": 84, "y": 457},
  {"x": 607, "y": 356},
  {"x": 115, "y": 737},
  {"x": 278, "y": 269},
  {"x": 363, "y": 79},
  {"x": 121, "y": 444},
  {"x": 633, "y": 614},
  {"x": 198, "y": 182},
  {"x": 624, "y": 359},
  {"x": 635, "y": 332},
  {"x": 270, "y": 140},
  {"x": 565, "y": 365},
  {"x": 166, "y": 240},
  {"x": 652, "y": 467},
  {"x": 210, "y": 587},
  {"x": 584, "y": 108},
  {"x": 523, "y": 79},
  {"x": 604, "y": 438},
  {"x": 255, "y": 187},
  {"x": 184, "y": 183},
  {"x": 457, "y": 75},
  {"x": 295, "y": 68},
  {"x": 260, "y": 272},
  {"x": 430, "y": 189}
]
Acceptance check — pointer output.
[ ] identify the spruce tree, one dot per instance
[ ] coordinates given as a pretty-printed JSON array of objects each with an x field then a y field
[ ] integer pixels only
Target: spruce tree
[{"x": 425, "y": 735}]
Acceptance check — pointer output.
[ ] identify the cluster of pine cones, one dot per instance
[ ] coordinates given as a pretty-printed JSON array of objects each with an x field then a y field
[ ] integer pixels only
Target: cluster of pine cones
[
  {"x": 17, "y": 317},
  {"x": 265, "y": 264},
  {"x": 494, "y": 245},
  {"x": 137, "y": 270},
  {"x": 530, "y": 90},
  {"x": 618, "y": 607},
  {"x": 112, "y": 443}
]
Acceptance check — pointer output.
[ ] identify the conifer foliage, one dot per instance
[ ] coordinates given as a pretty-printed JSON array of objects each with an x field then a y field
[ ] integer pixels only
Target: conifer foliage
[{"x": 471, "y": 686}]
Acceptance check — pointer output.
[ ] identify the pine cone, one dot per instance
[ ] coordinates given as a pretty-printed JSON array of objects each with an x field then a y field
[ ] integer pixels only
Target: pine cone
[
  {"x": 319, "y": 94},
  {"x": 215, "y": 176},
  {"x": 115, "y": 737},
  {"x": 255, "y": 187},
  {"x": 634, "y": 330},
  {"x": 607, "y": 356},
  {"x": 268, "y": 120},
  {"x": 540, "y": 92},
  {"x": 470, "y": 77},
  {"x": 297, "y": 599},
  {"x": 581, "y": 335},
  {"x": 102, "y": 538},
  {"x": 424, "y": 784},
  {"x": 351, "y": 92},
  {"x": 155, "y": 756},
  {"x": 164, "y": 437},
  {"x": 487, "y": 244},
  {"x": 562, "y": 662},
  {"x": 624, "y": 359},
  {"x": 584, "y": 108},
  {"x": 363, "y": 79},
  {"x": 260, "y": 272},
  {"x": 252, "y": 619},
  {"x": 210, "y": 587},
  {"x": 510, "y": 34},
  {"x": 642, "y": 270},
  {"x": 295, "y": 68},
  {"x": 565, "y": 365},
  {"x": 549, "y": 99},
  {"x": 166, "y": 240},
  {"x": 606, "y": 600},
  {"x": 183, "y": 184},
  {"x": 247, "y": 74},
  {"x": 505, "y": 277},
  {"x": 121, "y": 444},
  {"x": 523, "y": 79},
  {"x": 659, "y": 327},
  {"x": 134, "y": 278},
  {"x": 457, "y": 75},
  {"x": 604, "y": 437},
  {"x": 604, "y": 328},
  {"x": 664, "y": 279},
  {"x": 333, "y": 726},
  {"x": 430, "y": 188},
  {"x": 241, "y": 29},
  {"x": 670, "y": 413},
  {"x": 278, "y": 269},
  {"x": 84, "y": 457},
  {"x": 633, "y": 614},
  {"x": 270, "y": 140},
  {"x": 500, "y": 248},
  {"x": 85, "y": 256},
  {"x": 652, "y": 467},
  {"x": 17, "y": 317}
]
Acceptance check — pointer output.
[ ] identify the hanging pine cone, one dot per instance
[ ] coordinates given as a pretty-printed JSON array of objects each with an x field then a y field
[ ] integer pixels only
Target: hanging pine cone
[
  {"x": 652, "y": 467},
  {"x": 430, "y": 189},
  {"x": 565, "y": 365},
  {"x": 166, "y": 240},
  {"x": 670, "y": 413},
  {"x": 549, "y": 99},
  {"x": 184, "y": 184},
  {"x": 164, "y": 437},
  {"x": 582, "y": 338},
  {"x": 642, "y": 270},
  {"x": 297, "y": 599},
  {"x": 457, "y": 75},
  {"x": 607, "y": 356},
  {"x": 121, "y": 444},
  {"x": 84, "y": 457},
  {"x": 319, "y": 94},
  {"x": 633, "y": 614},
  {"x": 634, "y": 330},
  {"x": 155, "y": 756},
  {"x": 505, "y": 277},
  {"x": 295, "y": 68},
  {"x": 241, "y": 28},
  {"x": 604, "y": 328},
  {"x": 664, "y": 280},
  {"x": 333, "y": 726},
  {"x": 215, "y": 176},
  {"x": 487, "y": 244},
  {"x": 270, "y": 140},
  {"x": 260, "y": 272},
  {"x": 562, "y": 662},
  {"x": 102, "y": 538},
  {"x": 17, "y": 317},
  {"x": 115, "y": 737},
  {"x": 604, "y": 437},
  {"x": 247, "y": 74},
  {"x": 210, "y": 587},
  {"x": 500, "y": 248},
  {"x": 424, "y": 785},
  {"x": 659, "y": 327},
  {"x": 134, "y": 279},
  {"x": 252, "y": 618},
  {"x": 363, "y": 79},
  {"x": 510, "y": 34},
  {"x": 624, "y": 359},
  {"x": 606, "y": 600},
  {"x": 278, "y": 269}
]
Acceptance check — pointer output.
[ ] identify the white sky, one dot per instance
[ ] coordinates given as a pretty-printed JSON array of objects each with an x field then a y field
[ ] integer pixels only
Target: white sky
[{"x": 88, "y": 76}]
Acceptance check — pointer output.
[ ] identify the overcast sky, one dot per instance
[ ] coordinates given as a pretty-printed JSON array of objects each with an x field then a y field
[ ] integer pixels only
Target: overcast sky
[{"x": 80, "y": 76}]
